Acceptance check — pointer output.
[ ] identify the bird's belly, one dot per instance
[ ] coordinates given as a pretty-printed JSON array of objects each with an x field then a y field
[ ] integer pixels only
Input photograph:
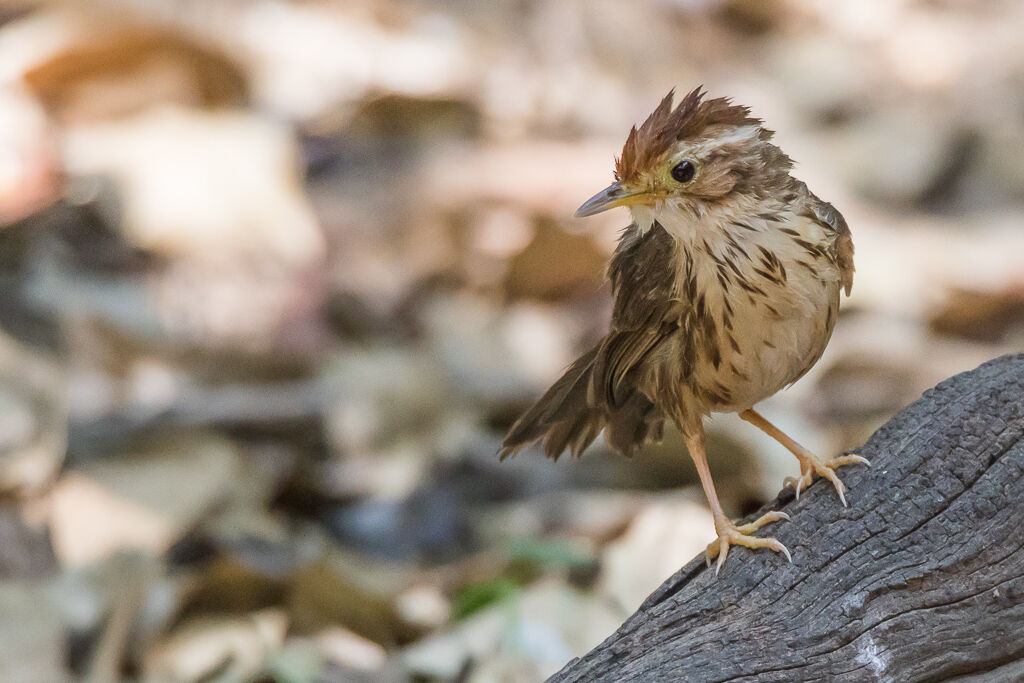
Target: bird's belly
[{"x": 776, "y": 347}]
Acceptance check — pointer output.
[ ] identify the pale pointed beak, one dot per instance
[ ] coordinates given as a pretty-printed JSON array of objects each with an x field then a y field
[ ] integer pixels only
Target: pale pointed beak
[{"x": 610, "y": 197}]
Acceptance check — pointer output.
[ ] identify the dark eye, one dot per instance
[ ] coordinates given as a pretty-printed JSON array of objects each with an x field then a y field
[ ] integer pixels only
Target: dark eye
[{"x": 683, "y": 172}]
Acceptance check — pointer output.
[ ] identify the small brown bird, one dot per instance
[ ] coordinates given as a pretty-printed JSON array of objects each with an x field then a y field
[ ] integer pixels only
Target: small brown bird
[{"x": 726, "y": 290}]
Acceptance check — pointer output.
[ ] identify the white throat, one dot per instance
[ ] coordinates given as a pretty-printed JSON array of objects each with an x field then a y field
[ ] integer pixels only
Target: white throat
[{"x": 686, "y": 222}]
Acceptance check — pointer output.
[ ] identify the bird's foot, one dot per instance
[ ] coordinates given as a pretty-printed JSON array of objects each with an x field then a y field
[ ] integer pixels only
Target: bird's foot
[
  {"x": 811, "y": 464},
  {"x": 730, "y": 534}
]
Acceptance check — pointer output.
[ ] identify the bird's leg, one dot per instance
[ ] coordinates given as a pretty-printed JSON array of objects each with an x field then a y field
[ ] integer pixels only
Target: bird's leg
[
  {"x": 728, "y": 533},
  {"x": 810, "y": 464}
]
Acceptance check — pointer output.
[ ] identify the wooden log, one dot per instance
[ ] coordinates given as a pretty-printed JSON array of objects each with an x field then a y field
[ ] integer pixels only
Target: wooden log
[{"x": 920, "y": 579}]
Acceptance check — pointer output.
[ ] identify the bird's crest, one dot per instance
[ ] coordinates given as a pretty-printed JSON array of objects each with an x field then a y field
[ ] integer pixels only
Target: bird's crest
[{"x": 666, "y": 125}]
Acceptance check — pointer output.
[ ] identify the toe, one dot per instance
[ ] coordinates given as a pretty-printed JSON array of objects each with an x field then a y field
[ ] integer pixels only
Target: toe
[
  {"x": 839, "y": 485},
  {"x": 797, "y": 483},
  {"x": 849, "y": 460},
  {"x": 729, "y": 535},
  {"x": 754, "y": 542},
  {"x": 840, "y": 488},
  {"x": 711, "y": 552},
  {"x": 802, "y": 482},
  {"x": 766, "y": 518}
]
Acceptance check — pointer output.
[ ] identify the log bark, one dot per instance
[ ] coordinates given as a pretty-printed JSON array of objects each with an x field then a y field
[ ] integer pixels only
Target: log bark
[{"x": 920, "y": 579}]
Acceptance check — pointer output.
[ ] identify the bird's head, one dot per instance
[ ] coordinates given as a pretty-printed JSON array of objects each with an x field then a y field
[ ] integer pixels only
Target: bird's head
[{"x": 699, "y": 151}]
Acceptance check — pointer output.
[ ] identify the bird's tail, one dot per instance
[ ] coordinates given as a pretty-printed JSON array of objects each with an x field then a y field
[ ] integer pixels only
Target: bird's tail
[{"x": 569, "y": 416}]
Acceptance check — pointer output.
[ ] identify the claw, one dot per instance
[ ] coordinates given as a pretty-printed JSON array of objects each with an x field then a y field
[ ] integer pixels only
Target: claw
[
  {"x": 810, "y": 465},
  {"x": 827, "y": 472},
  {"x": 721, "y": 558},
  {"x": 729, "y": 534},
  {"x": 775, "y": 545}
]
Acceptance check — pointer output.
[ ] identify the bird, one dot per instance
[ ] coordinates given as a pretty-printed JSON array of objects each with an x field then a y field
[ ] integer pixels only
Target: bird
[{"x": 726, "y": 289}]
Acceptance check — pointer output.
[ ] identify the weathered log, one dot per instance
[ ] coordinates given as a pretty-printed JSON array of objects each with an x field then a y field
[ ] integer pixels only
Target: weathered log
[{"x": 920, "y": 579}]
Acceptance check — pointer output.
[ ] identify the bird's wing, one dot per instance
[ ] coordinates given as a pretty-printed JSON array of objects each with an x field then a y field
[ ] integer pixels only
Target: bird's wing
[
  {"x": 829, "y": 218},
  {"x": 642, "y": 274},
  {"x": 600, "y": 390}
]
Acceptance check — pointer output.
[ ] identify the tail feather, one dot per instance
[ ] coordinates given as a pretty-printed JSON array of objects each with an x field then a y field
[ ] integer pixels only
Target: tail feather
[
  {"x": 636, "y": 423},
  {"x": 568, "y": 416},
  {"x": 566, "y": 397},
  {"x": 574, "y": 433}
]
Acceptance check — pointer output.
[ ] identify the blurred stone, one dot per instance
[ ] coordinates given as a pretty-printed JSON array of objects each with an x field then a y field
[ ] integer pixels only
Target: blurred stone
[
  {"x": 856, "y": 393},
  {"x": 28, "y": 160},
  {"x": 397, "y": 118},
  {"x": 354, "y": 318},
  {"x": 65, "y": 264},
  {"x": 980, "y": 316},
  {"x": 334, "y": 655},
  {"x": 29, "y": 456},
  {"x": 752, "y": 16},
  {"x": 992, "y": 173},
  {"x": 379, "y": 393},
  {"x": 424, "y": 606},
  {"x": 144, "y": 499},
  {"x": 433, "y": 524},
  {"x": 137, "y": 604},
  {"x": 823, "y": 78},
  {"x": 252, "y": 306},
  {"x": 33, "y": 419},
  {"x": 297, "y": 660},
  {"x": 230, "y": 648},
  {"x": 490, "y": 354},
  {"x": 123, "y": 71},
  {"x": 109, "y": 608},
  {"x": 667, "y": 465},
  {"x": 218, "y": 195},
  {"x": 503, "y": 667},
  {"x": 930, "y": 52},
  {"x": 32, "y": 637},
  {"x": 502, "y": 231},
  {"x": 346, "y": 590},
  {"x": 464, "y": 337},
  {"x": 225, "y": 584},
  {"x": 307, "y": 58},
  {"x": 555, "y": 265},
  {"x": 949, "y": 190},
  {"x": 896, "y": 155},
  {"x": 542, "y": 178},
  {"x": 664, "y": 536},
  {"x": 535, "y": 633},
  {"x": 859, "y": 387},
  {"x": 25, "y": 548},
  {"x": 346, "y": 649},
  {"x": 257, "y": 540},
  {"x": 219, "y": 185},
  {"x": 597, "y": 515}
]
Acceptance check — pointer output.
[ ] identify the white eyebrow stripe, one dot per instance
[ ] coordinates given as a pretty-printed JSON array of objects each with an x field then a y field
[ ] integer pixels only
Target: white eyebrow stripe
[{"x": 739, "y": 134}]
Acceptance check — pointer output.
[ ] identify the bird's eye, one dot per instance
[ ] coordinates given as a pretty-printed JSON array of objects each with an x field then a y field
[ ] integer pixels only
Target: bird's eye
[{"x": 683, "y": 172}]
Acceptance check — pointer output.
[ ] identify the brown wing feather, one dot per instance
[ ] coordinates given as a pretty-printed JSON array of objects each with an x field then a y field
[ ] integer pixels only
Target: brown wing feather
[
  {"x": 600, "y": 390},
  {"x": 565, "y": 403},
  {"x": 642, "y": 274},
  {"x": 829, "y": 217}
]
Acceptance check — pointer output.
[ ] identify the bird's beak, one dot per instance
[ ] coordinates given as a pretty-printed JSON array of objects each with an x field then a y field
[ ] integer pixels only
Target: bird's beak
[{"x": 614, "y": 195}]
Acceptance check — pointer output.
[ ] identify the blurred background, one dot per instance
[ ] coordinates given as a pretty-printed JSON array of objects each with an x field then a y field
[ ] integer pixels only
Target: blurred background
[{"x": 276, "y": 276}]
